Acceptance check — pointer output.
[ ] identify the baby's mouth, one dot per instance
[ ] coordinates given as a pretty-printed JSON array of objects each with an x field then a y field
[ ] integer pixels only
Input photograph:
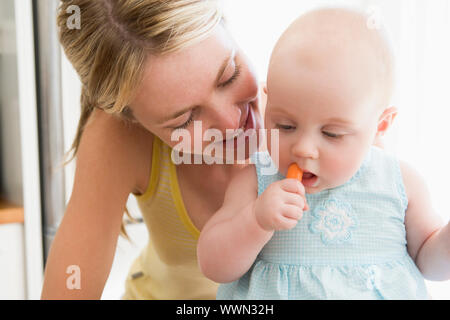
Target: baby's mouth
[
  {"x": 308, "y": 175},
  {"x": 309, "y": 179}
]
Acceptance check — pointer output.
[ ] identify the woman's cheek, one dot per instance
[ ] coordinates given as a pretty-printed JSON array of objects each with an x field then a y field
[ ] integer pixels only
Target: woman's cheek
[
  {"x": 248, "y": 86},
  {"x": 181, "y": 140}
]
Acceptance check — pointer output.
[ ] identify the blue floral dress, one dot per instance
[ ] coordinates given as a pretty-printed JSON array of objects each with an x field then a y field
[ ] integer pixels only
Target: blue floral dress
[{"x": 351, "y": 244}]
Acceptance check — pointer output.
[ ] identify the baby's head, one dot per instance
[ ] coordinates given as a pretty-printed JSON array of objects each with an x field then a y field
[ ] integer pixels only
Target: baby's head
[{"x": 329, "y": 85}]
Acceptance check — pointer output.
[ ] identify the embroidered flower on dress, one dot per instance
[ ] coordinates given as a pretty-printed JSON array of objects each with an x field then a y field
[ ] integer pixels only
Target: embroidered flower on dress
[{"x": 334, "y": 221}]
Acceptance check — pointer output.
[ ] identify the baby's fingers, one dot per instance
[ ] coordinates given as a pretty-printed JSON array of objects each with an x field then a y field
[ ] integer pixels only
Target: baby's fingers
[
  {"x": 283, "y": 223},
  {"x": 293, "y": 186},
  {"x": 292, "y": 212},
  {"x": 296, "y": 200}
]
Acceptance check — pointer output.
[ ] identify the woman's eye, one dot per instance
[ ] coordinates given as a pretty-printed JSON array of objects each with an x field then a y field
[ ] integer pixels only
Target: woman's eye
[
  {"x": 237, "y": 72},
  {"x": 332, "y": 135},
  {"x": 187, "y": 123}
]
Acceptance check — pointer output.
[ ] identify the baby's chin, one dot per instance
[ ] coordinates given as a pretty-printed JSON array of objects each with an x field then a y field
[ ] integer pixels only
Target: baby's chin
[
  {"x": 321, "y": 185},
  {"x": 318, "y": 189},
  {"x": 313, "y": 190}
]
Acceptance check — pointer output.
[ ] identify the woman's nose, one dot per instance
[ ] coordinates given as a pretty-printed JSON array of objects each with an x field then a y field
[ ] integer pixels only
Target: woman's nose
[
  {"x": 305, "y": 147},
  {"x": 226, "y": 117}
]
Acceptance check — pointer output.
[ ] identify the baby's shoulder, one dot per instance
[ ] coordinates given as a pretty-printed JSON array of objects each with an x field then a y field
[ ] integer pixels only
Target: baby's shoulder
[
  {"x": 413, "y": 181},
  {"x": 243, "y": 187}
]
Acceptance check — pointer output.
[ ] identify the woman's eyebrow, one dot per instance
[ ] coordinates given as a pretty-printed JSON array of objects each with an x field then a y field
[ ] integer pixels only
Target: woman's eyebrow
[{"x": 219, "y": 75}]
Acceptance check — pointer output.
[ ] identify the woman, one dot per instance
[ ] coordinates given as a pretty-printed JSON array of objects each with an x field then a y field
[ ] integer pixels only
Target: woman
[{"x": 148, "y": 69}]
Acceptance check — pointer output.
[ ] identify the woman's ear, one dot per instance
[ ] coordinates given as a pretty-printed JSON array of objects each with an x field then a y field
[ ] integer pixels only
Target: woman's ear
[{"x": 385, "y": 121}]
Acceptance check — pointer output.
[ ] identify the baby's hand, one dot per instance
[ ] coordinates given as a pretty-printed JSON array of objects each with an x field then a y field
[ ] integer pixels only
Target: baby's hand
[{"x": 281, "y": 205}]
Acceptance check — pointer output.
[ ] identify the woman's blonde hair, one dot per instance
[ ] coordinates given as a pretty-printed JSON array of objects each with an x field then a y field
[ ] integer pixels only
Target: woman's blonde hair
[{"x": 115, "y": 40}]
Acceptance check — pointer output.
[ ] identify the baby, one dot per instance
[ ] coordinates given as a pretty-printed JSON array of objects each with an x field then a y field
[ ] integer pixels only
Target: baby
[{"x": 360, "y": 225}]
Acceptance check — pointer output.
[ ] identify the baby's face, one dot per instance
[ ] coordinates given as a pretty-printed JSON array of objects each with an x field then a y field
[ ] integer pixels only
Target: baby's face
[{"x": 326, "y": 119}]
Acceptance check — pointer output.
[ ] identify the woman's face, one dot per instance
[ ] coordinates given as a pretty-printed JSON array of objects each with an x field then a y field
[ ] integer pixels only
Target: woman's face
[{"x": 210, "y": 82}]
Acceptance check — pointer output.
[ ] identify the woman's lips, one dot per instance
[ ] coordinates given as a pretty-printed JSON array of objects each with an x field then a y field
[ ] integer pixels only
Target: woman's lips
[
  {"x": 248, "y": 124},
  {"x": 251, "y": 122}
]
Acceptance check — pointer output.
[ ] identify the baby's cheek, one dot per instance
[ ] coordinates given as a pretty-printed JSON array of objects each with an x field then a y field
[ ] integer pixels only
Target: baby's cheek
[
  {"x": 280, "y": 153},
  {"x": 341, "y": 170}
]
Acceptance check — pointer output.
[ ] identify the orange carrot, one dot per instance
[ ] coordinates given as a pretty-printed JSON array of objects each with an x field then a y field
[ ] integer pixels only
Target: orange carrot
[{"x": 294, "y": 172}]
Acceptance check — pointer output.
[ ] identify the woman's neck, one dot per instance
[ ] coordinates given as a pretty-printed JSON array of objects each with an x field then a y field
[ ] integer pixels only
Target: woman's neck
[{"x": 203, "y": 175}]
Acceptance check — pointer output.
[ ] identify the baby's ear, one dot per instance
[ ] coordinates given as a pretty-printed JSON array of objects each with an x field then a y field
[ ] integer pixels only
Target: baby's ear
[{"x": 385, "y": 121}]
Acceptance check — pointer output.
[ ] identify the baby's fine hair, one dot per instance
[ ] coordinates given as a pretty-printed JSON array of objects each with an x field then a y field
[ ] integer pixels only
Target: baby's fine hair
[{"x": 341, "y": 28}]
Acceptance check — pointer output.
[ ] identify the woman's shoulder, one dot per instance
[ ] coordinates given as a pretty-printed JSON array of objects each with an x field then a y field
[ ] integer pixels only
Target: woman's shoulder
[{"x": 119, "y": 146}]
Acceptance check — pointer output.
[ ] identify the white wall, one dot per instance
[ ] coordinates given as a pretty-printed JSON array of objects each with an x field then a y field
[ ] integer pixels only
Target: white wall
[
  {"x": 10, "y": 153},
  {"x": 19, "y": 150}
]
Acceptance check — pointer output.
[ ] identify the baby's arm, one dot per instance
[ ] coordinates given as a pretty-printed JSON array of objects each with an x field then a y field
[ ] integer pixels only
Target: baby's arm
[
  {"x": 427, "y": 236},
  {"x": 233, "y": 237}
]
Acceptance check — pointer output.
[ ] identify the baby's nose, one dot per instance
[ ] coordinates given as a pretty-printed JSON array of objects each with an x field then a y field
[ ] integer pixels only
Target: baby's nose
[{"x": 305, "y": 148}]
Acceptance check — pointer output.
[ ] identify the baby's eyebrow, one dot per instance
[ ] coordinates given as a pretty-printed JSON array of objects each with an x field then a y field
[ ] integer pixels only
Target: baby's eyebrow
[{"x": 340, "y": 121}]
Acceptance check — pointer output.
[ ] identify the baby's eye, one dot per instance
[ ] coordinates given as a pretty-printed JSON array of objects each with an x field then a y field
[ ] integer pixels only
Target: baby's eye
[
  {"x": 332, "y": 135},
  {"x": 284, "y": 127}
]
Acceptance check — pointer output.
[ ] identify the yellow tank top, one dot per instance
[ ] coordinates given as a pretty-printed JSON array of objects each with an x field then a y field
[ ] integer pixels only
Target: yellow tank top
[{"x": 167, "y": 267}]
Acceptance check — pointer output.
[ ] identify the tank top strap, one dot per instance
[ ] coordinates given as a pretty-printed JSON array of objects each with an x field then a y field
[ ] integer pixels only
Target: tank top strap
[{"x": 266, "y": 170}]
